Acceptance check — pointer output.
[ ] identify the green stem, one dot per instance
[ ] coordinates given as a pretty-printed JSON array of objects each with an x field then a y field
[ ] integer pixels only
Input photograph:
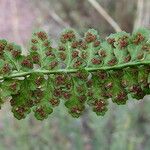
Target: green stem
[{"x": 120, "y": 66}]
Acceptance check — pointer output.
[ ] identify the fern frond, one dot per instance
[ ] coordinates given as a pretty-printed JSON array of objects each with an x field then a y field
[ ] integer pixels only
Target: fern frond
[{"x": 79, "y": 72}]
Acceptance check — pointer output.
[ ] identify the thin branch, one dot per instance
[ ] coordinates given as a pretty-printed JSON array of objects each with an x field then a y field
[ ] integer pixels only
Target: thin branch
[
  {"x": 105, "y": 15},
  {"x": 138, "y": 21},
  {"x": 142, "y": 14},
  {"x": 58, "y": 19},
  {"x": 54, "y": 15}
]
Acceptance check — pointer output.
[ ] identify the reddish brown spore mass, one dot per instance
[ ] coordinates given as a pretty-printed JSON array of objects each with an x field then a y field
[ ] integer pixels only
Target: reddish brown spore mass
[
  {"x": 99, "y": 105},
  {"x": 27, "y": 63},
  {"x": 42, "y": 35},
  {"x": 139, "y": 38}
]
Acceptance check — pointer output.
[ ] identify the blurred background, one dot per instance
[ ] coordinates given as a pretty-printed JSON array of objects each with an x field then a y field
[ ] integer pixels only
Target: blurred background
[{"x": 123, "y": 127}]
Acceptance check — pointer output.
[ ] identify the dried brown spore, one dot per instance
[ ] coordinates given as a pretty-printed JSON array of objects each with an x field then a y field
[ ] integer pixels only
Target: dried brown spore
[
  {"x": 6, "y": 68},
  {"x": 66, "y": 95},
  {"x": 34, "y": 48},
  {"x": 127, "y": 58},
  {"x": 35, "y": 58},
  {"x": 54, "y": 102},
  {"x": 102, "y": 53},
  {"x": 62, "y": 56},
  {"x": 16, "y": 53},
  {"x": 75, "y": 54},
  {"x": 99, "y": 105},
  {"x": 112, "y": 62},
  {"x": 111, "y": 41},
  {"x": 42, "y": 35},
  {"x": 53, "y": 64},
  {"x": 97, "y": 43},
  {"x": 90, "y": 37},
  {"x": 77, "y": 63},
  {"x": 27, "y": 63},
  {"x": 34, "y": 41},
  {"x": 123, "y": 43},
  {"x": 138, "y": 39},
  {"x": 75, "y": 44},
  {"x": 96, "y": 61},
  {"x": 61, "y": 48}
]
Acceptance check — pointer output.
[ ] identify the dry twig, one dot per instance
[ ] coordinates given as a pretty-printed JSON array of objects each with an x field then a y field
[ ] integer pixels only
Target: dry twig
[{"x": 105, "y": 15}]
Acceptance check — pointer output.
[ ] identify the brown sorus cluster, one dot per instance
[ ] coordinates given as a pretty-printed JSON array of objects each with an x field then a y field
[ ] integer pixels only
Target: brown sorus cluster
[
  {"x": 80, "y": 89},
  {"x": 21, "y": 110},
  {"x": 77, "y": 63},
  {"x": 41, "y": 112},
  {"x": 49, "y": 53},
  {"x": 13, "y": 86},
  {"x": 127, "y": 58},
  {"x": 2, "y": 46},
  {"x": 135, "y": 89},
  {"x": 46, "y": 44},
  {"x": 16, "y": 53},
  {"x": 68, "y": 86},
  {"x": 123, "y": 42},
  {"x": 99, "y": 105},
  {"x": 121, "y": 97},
  {"x": 34, "y": 48},
  {"x": 62, "y": 56},
  {"x": 12, "y": 102},
  {"x": 102, "y": 53},
  {"x": 61, "y": 48},
  {"x": 81, "y": 75},
  {"x": 30, "y": 103},
  {"x": 57, "y": 92},
  {"x": 69, "y": 36},
  {"x": 90, "y": 37},
  {"x": 97, "y": 43},
  {"x": 82, "y": 98},
  {"x": 34, "y": 41},
  {"x": 66, "y": 95},
  {"x": 27, "y": 63},
  {"x": 39, "y": 80},
  {"x": 108, "y": 94},
  {"x": 96, "y": 61},
  {"x": 112, "y": 62},
  {"x": 140, "y": 56},
  {"x": 42, "y": 35},
  {"x": 83, "y": 45},
  {"x": 54, "y": 102},
  {"x": 139, "y": 38},
  {"x": 53, "y": 64},
  {"x": 60, "y": 79},
  {"x": 102, "y": 75},
  {"x": 6, "y": 68},
  {"x": 111, "y": 41},
  {"x": 76, "y": 110},
  {"x": 75, "y": 54},
  {"x": 35, "y": 58},
  {"x": 75, "y": 44}
]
